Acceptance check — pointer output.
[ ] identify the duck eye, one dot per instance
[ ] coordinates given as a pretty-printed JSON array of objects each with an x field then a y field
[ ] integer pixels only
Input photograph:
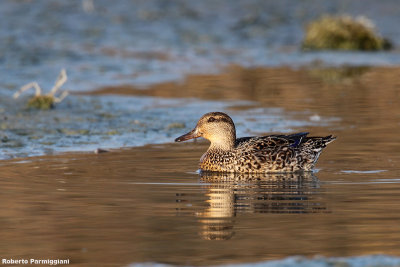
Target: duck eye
[{"x": 211, "y": 119}]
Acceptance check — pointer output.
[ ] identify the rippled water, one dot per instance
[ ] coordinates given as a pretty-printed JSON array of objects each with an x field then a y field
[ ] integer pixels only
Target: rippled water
[{"x": 149, "y": 205}]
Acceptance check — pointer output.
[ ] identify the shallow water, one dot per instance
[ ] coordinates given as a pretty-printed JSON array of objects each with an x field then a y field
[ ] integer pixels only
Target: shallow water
[{"x": 148, "y": 204}]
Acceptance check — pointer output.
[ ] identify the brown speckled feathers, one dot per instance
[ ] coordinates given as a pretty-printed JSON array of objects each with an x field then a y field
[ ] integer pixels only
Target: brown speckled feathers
[{"x": 273, "y": 153}]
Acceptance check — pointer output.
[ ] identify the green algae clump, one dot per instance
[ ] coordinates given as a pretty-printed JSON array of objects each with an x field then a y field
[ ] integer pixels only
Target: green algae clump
[
  {"x": 48, "y": 100},
  {"x": 41, "y": 102},
  {"x": 343, "y": 33}
]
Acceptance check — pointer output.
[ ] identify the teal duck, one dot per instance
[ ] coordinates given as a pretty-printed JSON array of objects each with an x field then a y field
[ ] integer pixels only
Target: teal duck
[{"x": 265, "y": 154}]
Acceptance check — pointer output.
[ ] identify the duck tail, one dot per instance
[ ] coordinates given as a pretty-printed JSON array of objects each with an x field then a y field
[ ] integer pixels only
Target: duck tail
[
  {"x": 311, "y": 149},
  {"x": 317, "y": 143},
  {"x": 328, "y": 139}
]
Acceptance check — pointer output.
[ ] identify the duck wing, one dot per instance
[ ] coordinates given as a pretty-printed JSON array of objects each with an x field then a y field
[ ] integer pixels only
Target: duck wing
[
  {"x": 292, "y": 140},
  {"x": 270, "y": 141},
  {"x": 281, "y": 152}
]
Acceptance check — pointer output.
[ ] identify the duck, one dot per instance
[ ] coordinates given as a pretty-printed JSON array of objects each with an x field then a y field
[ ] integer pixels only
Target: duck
[{"x": 256, "y": 154}]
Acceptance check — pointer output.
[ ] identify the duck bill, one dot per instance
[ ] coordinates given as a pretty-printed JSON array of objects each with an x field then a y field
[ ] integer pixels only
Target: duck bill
[{"x": 190, "y": 135}]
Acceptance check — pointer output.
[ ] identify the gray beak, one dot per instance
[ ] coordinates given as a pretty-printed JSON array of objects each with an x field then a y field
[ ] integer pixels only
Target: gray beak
[{"x": 190, "y": 135}]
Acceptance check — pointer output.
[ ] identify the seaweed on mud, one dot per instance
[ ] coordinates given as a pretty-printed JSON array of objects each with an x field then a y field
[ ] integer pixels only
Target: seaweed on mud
[
  {"x": 46, "y": 101},
  {"x": 343, "y": 33}
]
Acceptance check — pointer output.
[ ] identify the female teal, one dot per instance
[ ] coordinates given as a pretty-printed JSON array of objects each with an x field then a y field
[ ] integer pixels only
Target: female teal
[{"x": 266, "y": 154}]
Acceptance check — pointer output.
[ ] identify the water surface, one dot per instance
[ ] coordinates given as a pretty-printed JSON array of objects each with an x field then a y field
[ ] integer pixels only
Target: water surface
[{"x": 148, "y": 205}]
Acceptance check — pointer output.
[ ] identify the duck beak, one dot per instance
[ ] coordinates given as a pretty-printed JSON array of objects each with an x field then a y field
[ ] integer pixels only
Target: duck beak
[{"x": 190, "y": 135}]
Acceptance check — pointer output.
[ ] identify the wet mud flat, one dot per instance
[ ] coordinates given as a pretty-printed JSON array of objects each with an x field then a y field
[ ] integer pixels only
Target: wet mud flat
[
  {"x": 260, "y": 100},
  {"x": 148, "y": 203},
  {"x": 92, "y": 122}
]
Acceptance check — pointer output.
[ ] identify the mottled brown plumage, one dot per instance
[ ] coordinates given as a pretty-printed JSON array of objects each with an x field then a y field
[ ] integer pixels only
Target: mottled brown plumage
[{"x": 266, "y": 154}]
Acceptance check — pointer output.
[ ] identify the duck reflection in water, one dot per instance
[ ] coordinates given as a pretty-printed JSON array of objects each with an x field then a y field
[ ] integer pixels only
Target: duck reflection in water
[{"x": 231, "y": 193}]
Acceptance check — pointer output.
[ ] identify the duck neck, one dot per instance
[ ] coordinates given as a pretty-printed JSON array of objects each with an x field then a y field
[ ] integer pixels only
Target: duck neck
[{"x": 226, "y": 143}]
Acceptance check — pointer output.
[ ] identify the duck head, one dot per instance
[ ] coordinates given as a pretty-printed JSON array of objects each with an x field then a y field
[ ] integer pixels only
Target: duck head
[{"x": 217, "y": 127}]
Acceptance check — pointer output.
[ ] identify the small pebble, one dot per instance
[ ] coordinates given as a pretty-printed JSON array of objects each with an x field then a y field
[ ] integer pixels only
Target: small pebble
[{"x": 100, "y": 150}]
